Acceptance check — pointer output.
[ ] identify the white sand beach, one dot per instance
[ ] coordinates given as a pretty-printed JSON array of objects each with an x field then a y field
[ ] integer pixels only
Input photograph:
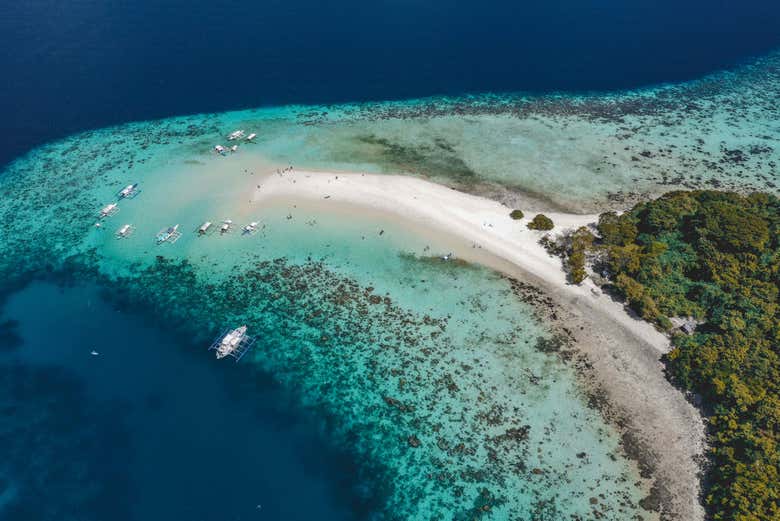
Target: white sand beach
[
  {"x": 662, "y": 430},
  {"x": 477, "y": 221}
]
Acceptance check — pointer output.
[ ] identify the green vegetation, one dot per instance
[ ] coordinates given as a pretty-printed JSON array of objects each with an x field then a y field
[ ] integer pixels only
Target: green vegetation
[
  {"x": 573, "y": 247},
  {"x": 540, "y": 222},
  {"x": 516, "y": 215},
  {"x": 579, "y": 243},
  {"x": 714, "y": 256}
]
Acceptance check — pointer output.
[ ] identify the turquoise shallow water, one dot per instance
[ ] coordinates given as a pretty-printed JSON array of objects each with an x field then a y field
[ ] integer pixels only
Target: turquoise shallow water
[
  {"x": 435, "y": 377},
  {"x": 441, "y": 385},
  {"x": 576, "y": 152}
]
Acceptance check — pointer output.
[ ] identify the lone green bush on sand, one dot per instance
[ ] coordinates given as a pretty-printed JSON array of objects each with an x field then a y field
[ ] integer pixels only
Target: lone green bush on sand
[
  {"x": 714, "y": 256},
  {"x": 516, "y": 215},
  {"x": 541, "y": 222}
]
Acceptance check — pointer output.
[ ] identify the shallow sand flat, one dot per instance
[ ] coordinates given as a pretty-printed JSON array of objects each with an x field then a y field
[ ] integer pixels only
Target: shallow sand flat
[
  {"x": 482, "y": 223},
  {"x": 577, "y": 153},
  {"x": 430, "y": 373},
  {"x": 663, "y": 431}
]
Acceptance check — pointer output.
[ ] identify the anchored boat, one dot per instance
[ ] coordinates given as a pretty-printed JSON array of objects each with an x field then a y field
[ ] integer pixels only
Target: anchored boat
[
  {"x": 170, "y": 234},
  {"x": 129, "y": 191},
  {"x": 251, "y": 228},
  {"x": 250, "y": 137},
  {"x": 233, "y": 342},
  {"x": 125, "y": 231},
  {"x": 236, "y": 134},
  {"x": 226, "y": 225},
  {"x": 204, "y": 228},
  {"x": 109, "y": 210}
]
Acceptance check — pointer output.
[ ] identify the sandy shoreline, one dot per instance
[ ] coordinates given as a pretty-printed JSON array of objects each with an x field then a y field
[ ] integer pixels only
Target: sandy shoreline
[
  {"x": 662, "y": 430},
  {"x": 477, "y": 220}
]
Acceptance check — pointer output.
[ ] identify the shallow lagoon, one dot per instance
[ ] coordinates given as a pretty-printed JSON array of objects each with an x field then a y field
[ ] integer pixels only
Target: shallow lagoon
[
  {"x": 581, "y": 153},
  {"x": 434, "y": 376}
]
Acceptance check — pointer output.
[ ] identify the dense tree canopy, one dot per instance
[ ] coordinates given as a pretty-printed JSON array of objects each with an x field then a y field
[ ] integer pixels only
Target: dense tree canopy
[{"x": 715, "y": 257}]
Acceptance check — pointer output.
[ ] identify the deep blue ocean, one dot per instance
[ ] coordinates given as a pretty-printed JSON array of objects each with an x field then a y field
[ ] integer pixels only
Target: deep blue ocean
[
  {"x": 68, "y": 66},
  {"x": 149, "y": 428},
  {"x": 219, "y": 441}
]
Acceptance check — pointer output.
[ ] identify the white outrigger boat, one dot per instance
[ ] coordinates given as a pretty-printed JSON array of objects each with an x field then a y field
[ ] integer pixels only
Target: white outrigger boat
[
  {"x": 219, "y": 149},
  {"x": 235, "y": 343},
  {"x": 226, "y": 225},
  {"x": 204, "y": 228},
  {"x": 250, "y": 137},
  {"x": 170, "y": 234},
  {"x": 109, "y": 210},
  {"x": 251, "y": 228},
  {"x": 231, "y": 341},
  {"x": 129, "y": 191},
  {"x": 236, "y": 134},
  {"x": 125, "y": 231},
  {"x": 234, "y": 148}
]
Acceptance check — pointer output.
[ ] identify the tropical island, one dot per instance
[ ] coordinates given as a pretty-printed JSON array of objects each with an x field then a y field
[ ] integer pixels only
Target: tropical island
[
  {"x": 495, "y": 306},
  {"x": 701, "y": 266},
  {"x": 713, "y": 257}
]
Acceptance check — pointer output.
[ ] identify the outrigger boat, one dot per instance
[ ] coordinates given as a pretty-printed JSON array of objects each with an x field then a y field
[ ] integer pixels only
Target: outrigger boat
[
  {"x": 235, "y": 135},
  {"x": 170, "y": 234},
  {"x": 250, "y": 228},
  {"x": 125, "y": 231},
  {"x": 204, "y": 228},
  {"x": 250, "y": 137},
  {"x": 109, "y": 210},
  {"x": 231, "y": 341},
  {"x": 226, "y": 224},
  {"x": 219, "y": 149},
  {"x": 234, "y": 148},
  {"x": 129, "y": 191}
]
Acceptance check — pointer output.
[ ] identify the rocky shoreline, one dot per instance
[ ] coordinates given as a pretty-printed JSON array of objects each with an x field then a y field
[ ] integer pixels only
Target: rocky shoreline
[{"x": 623, "y": 377}]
